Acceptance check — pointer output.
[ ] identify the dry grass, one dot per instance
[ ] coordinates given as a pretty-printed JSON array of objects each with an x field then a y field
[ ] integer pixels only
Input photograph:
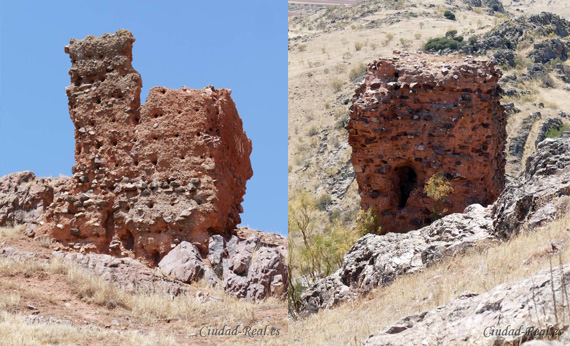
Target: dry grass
[
  {"x": 16, "y": 331},
  {"x": 178, "y": 317},
  {"x": 11, "y": 233},
  {"x": 477, "y": 271},
  {"x": 150, "y": 307}
]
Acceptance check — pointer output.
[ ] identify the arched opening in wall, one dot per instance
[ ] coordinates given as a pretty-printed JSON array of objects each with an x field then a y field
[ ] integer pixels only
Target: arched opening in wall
[
  {"x": 406, "y": 183},
  {"x": 128, "y": 240}
]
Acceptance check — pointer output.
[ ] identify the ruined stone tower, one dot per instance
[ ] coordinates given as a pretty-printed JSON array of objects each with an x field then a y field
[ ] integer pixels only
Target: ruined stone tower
[
  {"x": 417, "y": 115},
  {"x": 146, "y": 177}
]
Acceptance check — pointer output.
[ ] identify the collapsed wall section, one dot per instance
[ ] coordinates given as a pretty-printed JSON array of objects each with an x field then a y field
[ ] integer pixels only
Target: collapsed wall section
[{"x": 418, "y": 115}]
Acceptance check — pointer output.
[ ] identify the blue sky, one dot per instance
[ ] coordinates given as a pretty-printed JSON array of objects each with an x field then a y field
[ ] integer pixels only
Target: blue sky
[{"x": 241, "y": 45}]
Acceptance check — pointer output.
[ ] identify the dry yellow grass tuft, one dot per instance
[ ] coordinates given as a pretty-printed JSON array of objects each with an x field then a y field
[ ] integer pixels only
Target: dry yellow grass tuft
[
  {"x": 477, "y": 271},
  {"x": 10, "y": 233}
]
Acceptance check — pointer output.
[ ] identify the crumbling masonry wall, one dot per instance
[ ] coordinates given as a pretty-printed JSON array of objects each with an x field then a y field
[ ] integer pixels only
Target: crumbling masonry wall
[
  {"x": 146, "y": 177},
  {"x": 417, "y": 115}
]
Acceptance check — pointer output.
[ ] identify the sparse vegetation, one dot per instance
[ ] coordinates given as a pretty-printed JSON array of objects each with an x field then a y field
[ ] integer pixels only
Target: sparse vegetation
[
  {"x": 557, "y": 132},
  {"x": 302, "y": 47},
  {"x": 438, "y": 188},
  {"x": 389, "y": 38},
  {"x": 368, "y": 222},
  {"x": 358, "y": 46},
  {"x": 405, "y": 42},
  {"x": 357, "y": 71},
  {"x": 337, "y": 84}
]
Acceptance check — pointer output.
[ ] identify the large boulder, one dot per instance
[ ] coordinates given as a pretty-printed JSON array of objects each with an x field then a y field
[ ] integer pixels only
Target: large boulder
[
  {"x": 509, "y": 314},
  {"x": 376, "y": 260},
  {"x": 254, "y": 270},
  {"x": 183, "y": 263}
]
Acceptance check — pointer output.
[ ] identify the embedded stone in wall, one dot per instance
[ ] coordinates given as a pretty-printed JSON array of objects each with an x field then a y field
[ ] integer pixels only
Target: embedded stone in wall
[
  {"x": 146, "y": 177},
  {"x": 418, "y": 115}
]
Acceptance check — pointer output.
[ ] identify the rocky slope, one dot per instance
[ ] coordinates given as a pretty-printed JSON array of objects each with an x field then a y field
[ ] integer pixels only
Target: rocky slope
[
  {"x": 539, "y": 195},
  {"x": 535, "y": 307}
]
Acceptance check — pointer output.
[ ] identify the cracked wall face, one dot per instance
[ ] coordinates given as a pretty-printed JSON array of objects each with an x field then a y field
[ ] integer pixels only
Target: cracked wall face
[
  {"x": 146, "y": 177},
  {"x": 418, "y": 115}
]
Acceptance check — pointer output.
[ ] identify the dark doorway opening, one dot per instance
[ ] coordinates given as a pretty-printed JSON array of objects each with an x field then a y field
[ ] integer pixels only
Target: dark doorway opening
[
  {"x": 128, "y": 240},
  {"x": 407, "y": 180}
]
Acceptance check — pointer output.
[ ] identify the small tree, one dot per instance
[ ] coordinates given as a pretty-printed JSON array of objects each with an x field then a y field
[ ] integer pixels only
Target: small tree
[{"x": 438, "y": 188}]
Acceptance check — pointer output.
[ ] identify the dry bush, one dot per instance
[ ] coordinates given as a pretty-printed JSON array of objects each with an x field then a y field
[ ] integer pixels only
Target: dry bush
[{"x": 337, "y": 84}]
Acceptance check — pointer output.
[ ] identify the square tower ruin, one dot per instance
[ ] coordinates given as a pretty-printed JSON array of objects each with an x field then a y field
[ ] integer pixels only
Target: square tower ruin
[
  {"x": 418, "y": 115},
  {"x": 146, "y": 176}
]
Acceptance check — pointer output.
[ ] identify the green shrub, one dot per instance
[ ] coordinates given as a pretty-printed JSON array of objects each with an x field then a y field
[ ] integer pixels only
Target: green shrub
[
  {"x": 439, "y": 43},
  {"x": 438, "y": 188},
  {"x": 368, "y": 222},
  {"x": 323, "y": 201},
  {"x": 313, "y": 131},
  {"x": 449, "y": 15},
  {"x": 557, "y": 132}
]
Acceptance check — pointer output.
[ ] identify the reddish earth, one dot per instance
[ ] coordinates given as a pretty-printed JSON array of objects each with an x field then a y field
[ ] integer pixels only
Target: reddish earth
[{"x": 52, "y": 296}]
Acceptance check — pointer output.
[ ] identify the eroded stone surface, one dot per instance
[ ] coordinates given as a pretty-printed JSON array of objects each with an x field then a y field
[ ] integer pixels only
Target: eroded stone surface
[
  {"x": 183, "y": 263},
  {"x": 531, "y": 302},
  {"x": 376, "y": 260},
  {"x": 418, "y": 115},
  {"x": 146, "y": 177},
  {"x": 538, "y": 194},
  {"x": 24, "y": 197}
]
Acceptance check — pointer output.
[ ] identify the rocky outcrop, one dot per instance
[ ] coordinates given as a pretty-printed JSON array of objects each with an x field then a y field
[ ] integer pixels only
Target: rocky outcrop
[
  {"x": 518, "y": 142},
  {"x": 126, "y": 273},
  {"x": 538, "y": 194},
  {"x": 508, "y": 34},
  {"x": 183, "y": 263},
  {"x": 376, "y": 260},
  {"x": 493, "y": 5},
  {"x": 146, "y": 177},
  {"x": 550, "y": 49},
  {"x": 531, "y": 308},
  {"x": 245, "y": 266},
  {"x": 419, "y": 115},
  {"x": 24, "y": 197},
  {"x": 548, "y": 125}
]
